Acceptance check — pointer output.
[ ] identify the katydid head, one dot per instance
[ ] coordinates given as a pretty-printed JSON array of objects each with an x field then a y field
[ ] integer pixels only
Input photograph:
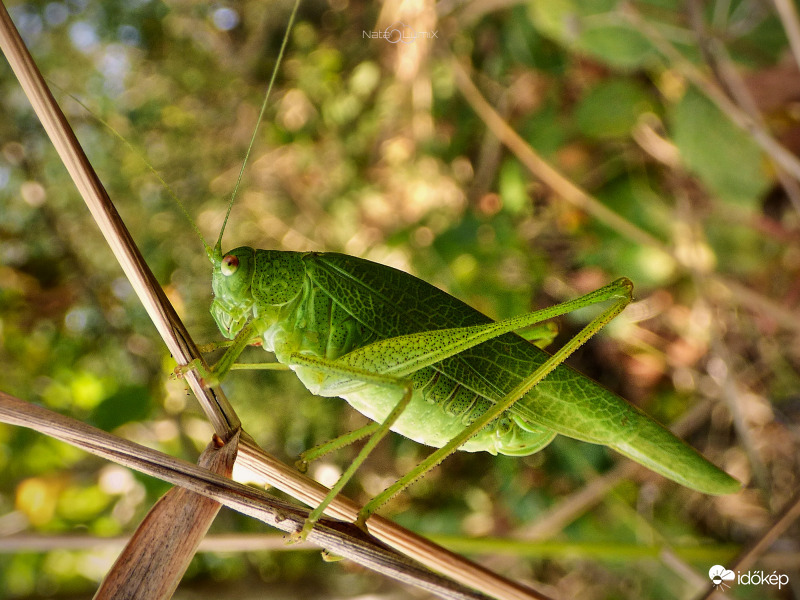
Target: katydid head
[
  {"x": 231, "y": 281},
  {"x": 254, "y": 283}
]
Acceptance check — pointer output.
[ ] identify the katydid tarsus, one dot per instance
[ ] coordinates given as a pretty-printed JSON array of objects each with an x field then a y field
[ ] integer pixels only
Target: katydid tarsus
[{"x": 420, "y": 362}]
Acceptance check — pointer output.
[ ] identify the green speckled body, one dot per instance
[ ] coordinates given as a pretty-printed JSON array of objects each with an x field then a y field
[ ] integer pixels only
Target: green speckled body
[{"x": 326, "y": 305}]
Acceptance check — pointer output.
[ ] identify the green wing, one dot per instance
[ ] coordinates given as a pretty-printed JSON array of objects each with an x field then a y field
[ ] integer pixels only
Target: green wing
[{"x": 390, "y": 303}]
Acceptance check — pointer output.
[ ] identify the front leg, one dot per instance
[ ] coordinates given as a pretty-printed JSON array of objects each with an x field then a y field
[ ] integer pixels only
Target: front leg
[{"x": 211, "y": 377}]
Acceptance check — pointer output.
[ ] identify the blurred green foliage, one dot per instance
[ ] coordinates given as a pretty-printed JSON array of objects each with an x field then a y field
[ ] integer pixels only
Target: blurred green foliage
[{"x": 369, "y": 148}]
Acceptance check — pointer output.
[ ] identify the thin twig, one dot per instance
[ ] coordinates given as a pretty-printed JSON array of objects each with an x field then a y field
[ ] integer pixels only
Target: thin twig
[
  {"x": 732, "y": 83},
  {"x": 543, "y": 170},
  {"x": 582, "y": 199},
  {"x": 162, "y": 314},
  {"x": 153, "y": 562},
  {"x": 787, "y": 11}
]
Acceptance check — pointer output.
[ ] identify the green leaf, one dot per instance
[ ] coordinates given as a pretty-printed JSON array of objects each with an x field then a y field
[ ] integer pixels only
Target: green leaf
[
  {"x": 544, "y": 130},
  {"x": 513, "y": 184},
  {"x": 724, "y": 156},
  {"x": 594, "y": 28},
  {"x": 612, "y": 108},
  {"x": 616, "y": 45}
]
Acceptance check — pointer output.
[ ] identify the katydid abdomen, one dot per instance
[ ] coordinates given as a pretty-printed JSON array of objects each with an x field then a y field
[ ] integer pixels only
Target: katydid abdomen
[{"x": 326, "y": 305}]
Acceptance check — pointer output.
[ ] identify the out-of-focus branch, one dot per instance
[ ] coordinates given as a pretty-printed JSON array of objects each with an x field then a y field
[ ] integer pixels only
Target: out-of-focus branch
[
  {"x": 787, "y": 11},
  {"x": 786, "y": 159},
  {"x": 550, "y": 176}
]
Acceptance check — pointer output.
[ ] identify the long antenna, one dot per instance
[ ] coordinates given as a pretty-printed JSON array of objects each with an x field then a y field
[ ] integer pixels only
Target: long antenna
[
  {"x": 141, "y": 156},
  {"x": 218, "y": 246}
]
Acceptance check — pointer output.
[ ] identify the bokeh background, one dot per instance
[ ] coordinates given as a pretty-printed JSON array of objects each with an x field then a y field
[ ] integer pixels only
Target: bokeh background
[{"x": 370, "y": 147}]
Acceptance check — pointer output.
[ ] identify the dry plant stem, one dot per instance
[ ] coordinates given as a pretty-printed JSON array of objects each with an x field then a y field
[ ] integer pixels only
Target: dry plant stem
[
  {"x": 153, "y": 562},
  {"x": 443, "y": 561},
  {"x": 182, "y": 347},
  {"x": 341, "y": 539},
  {"x": 732, "y": 81}
]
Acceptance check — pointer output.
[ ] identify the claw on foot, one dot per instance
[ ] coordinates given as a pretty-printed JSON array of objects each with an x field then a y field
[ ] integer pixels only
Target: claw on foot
[
  {"x": 361, "y": 521},
  {"x": 329, "y": 556},
  {"x": 208, "y": 378},
  {"x": 181, "y": 370},
  {"x": 295, "y": 537},
  {"x": 302, "y": 534}
]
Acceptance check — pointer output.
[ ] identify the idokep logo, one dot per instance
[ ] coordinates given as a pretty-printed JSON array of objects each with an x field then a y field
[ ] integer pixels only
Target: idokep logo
[{"x": 720, "y": 576}]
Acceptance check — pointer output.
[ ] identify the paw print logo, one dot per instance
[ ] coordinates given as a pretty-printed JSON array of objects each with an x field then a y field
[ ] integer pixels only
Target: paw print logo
[{"x": 719, "y": 575}]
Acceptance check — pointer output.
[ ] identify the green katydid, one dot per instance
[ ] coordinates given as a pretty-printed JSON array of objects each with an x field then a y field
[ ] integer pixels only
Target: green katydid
[
  {"x": 430, "y": 367},
  {"x": 420, "y": 362}
]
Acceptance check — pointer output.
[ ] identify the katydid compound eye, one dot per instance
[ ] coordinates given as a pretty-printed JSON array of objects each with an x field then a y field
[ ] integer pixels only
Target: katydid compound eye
[{"x": 229, "y": 265}]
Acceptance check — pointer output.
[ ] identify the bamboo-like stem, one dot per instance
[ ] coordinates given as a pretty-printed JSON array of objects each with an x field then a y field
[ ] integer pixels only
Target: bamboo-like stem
[
  {"x": 153, "y": 562},
  {"x": 161, "y": 312},
  {"x": 183, "y": 348},
  {"x": 341, "y": 539},
  {"x": 408, "y": 543}
]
